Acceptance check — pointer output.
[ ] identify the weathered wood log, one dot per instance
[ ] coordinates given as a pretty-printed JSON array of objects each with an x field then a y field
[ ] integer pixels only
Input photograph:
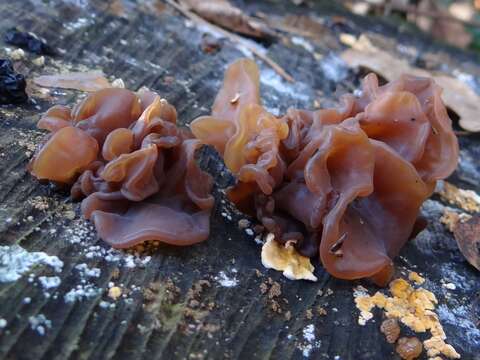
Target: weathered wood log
[{"x": 213, "y": 300}]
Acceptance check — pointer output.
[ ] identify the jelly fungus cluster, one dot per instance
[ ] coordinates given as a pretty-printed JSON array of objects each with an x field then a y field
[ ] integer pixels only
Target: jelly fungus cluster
[{"x": 345, "y": 183}]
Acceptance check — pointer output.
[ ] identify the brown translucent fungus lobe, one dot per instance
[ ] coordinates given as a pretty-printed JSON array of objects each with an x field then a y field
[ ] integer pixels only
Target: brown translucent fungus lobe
[
  {"x": 253, "y": 150},
  {"x": 55, "y": 118},
  {"x": 158, "y": 120},
  {"x": 196, "y": 182},
  {"x": 384, "y": 275},
  {"x": 89, "y": 181},
  {"x": 370, "y": 230},
  {"x": 299, "y": 123},
  {"x": 144, "y": 184},
  {"x": 177, "y": 211},
  {"x": 146, "y": 221},
  {"x": 241, "y": 86},
  {"x": 106, "y": 110},
  {"x": 337, "y": 163},
  {"x": 178, "y": 214},
  {"x": 118, "y": 142},
  {"x": 135, "y": 173},
  {"x": 437, "y": 154},
  {"x": 345, "y": 182},
  {"x": 297, "y": 200},
  {"x": 245, "y": 134},
  {"x": 147, "y": 97},
  {"x": 334, "y": 116},
  {"x": 108, "y": 202},
  {"x": 65, "y": 154},
  {"x": 168, "y": 194},
  {"x": 397, "y": 119}
]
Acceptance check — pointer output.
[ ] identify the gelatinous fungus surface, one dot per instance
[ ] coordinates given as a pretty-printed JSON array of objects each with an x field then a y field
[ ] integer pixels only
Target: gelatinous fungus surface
[
  {"x": 344, "y": 183},
  {"x": 135, "y": 170}
]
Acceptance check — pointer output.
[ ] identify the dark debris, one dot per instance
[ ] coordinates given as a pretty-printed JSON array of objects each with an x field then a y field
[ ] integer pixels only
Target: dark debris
[
  {"x": 28, "y": 41},
  {"x": 12, "y": 84}
]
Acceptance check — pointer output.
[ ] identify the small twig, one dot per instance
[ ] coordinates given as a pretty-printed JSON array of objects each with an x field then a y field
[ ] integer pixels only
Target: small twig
[
  {"x": 233, "y": 37},
  {"x": 290, "y": 29}
]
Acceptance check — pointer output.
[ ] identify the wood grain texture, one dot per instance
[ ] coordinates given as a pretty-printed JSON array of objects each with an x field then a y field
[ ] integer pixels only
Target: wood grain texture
[{"x": 153, "y": 46}]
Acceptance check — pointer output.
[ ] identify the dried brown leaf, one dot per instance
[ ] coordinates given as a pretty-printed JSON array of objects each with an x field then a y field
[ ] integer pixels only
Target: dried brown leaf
[
  {"x": 452, "y": 32},
  {"x": 228, "y": 16},
  {"x": 457, "y": 95},
  {"x": 84, "y": 81},
  {"x": 467, "y": 235},
  {"x": 305, "y": 24},
  {"x": 440, "y": 26}
]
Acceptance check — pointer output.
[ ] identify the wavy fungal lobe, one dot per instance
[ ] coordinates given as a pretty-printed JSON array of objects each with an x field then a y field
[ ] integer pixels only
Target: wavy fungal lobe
[
  {"x": 344, "y": 183},
  {"x": 133, "y": 167}
]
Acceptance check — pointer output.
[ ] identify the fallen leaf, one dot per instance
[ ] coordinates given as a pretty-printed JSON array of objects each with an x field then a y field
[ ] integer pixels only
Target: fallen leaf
[
  {"x": 457, "y": 95},
  {"x": 228, "y": 16},
  {"x": 467, "y": 235},
  {"x": 84, "y": 81},
  {"x": 452, "y": 32},
  {"x": 440, "y": 26},
  {"x": 305, "y": 24},
  {"x": 285, "y": 258}
]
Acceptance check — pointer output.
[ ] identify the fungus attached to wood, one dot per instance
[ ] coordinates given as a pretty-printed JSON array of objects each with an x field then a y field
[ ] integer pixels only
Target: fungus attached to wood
[
  {"x": 123, "y": 153},
  {"x": 344, "y": 183}
]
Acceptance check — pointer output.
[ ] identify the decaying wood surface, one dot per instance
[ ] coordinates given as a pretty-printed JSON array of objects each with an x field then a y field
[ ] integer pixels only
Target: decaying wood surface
[{"x": 213, "y": 300}]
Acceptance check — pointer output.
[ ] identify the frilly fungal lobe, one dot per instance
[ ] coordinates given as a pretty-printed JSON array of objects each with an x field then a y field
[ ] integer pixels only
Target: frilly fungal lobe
[
  {"x": 123, "y": 153},
  {"x": 344, "y": 183}
]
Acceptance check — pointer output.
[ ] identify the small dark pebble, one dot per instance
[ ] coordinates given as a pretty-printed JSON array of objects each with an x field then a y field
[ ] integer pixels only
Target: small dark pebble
[
  {"x": 12, "y": 85},
  {"x": 28, "y": 42}
]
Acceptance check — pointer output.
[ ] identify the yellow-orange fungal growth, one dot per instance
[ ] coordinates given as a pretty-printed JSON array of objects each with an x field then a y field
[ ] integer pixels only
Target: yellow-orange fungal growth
[{"x": 414, "y": 307}]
